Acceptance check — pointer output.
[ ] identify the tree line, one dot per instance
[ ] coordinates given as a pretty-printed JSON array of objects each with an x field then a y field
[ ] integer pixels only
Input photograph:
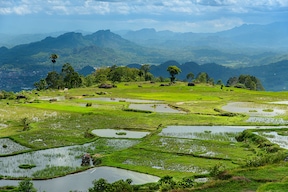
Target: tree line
[{"x": 69, "y": 78}]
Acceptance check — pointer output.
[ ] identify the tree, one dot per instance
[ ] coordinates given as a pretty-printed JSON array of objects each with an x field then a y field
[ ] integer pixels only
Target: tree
[
  {"x": 190, "y": 76},
  {"x": 54, "y": 80},
  {"x": 26, "y": 186},
  {"x": 100, "y": 185},
  {"x": 145, "y": 68},
  {"x": 71, "y": 78},
  {"x": 40, "y": 85},
  {"x": 53, "y": 58},
  {"x": 202, "y": 77},
  {"x": 173, "y": 70},
  {"x": 219, "y": 82},
  {"x": 89, "y": 80}
]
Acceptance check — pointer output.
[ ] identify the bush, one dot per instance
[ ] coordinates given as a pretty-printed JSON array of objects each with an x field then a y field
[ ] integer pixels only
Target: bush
[
  {"x": 27, "y": 166},
  {"x": 264, "y": 159}
]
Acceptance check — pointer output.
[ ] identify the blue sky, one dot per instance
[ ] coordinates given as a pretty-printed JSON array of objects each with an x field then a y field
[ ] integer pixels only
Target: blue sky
[{"x": 43, "y": 16}]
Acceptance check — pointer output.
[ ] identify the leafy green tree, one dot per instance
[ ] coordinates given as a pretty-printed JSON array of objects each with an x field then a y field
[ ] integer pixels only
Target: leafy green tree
[
  {"x": 202, "y": 77},
  {"x": 71, "y": 78},
  {"x": 145, "y": 69},
  {"x": 101, "y": 75},
  {"x": 245, "y": 81},
  {"x": 190, "y": 76},
  {"x": 122, "y": 186},
  {"x": 54, "y": 80},
  {"x": 100, "y": 185},
  {"x": 89, "y": 80},
  {"x": 173, "y": 71},
  {"x": 26, "y": 186},
  {"x": 219, "y": 82},
  {"x": 41, "y": 85}
]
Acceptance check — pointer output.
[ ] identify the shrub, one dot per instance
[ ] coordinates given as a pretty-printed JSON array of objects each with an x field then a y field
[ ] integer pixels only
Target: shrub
[{"x": 27, "y": 166}]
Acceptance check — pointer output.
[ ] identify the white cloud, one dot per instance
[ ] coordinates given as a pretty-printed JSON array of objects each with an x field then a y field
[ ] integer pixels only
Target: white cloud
[
  {"x": 126, "y": 7},
  {"x": 176, "y": 15}
]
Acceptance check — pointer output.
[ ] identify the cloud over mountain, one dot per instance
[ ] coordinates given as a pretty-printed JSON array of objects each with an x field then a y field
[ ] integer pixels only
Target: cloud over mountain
[{"x": 177, "y": 15}]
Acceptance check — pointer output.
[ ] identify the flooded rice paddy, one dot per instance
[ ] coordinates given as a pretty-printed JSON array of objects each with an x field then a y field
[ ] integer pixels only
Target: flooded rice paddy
[
  {"x": 258, "y": 113},
  {"x": 274, "y": 137},
  {"x": 160, "y": 108},
  {"x": 224, "y": 133},
  {"x": 253, "y": 109},
  {"x": 82, "y": 181},
  {"x": 119, "y": 133},
  {"x": 7, "y": 146},
  {"x": 121, "y": 100},
  {"x": 57, "y": 157}
]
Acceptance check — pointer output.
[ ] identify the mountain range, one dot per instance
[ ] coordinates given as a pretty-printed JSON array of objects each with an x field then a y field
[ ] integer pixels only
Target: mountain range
[{"x": 245, "y": 47}]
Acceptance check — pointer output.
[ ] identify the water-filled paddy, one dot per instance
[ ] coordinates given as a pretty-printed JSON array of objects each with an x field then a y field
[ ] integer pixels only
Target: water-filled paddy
[
  {"x": 274, "y": 137},
  {"x": 122, "y": 100},
  {"x": 193, "y": 132},
  {"x": 119, "y": 133},
  {"x": 253, "y": 109},
  {"x": 63, "y": 156},
  {"x": 7, "y": 146},
  {"x": 161, "y": 108},
  {"x": 82, "y": 181},
  {"x": 46, "y": 98}
]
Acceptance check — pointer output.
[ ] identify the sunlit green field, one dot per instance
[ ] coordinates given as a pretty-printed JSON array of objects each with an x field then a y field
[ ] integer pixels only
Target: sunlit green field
[{"x": 67, "y": 122}]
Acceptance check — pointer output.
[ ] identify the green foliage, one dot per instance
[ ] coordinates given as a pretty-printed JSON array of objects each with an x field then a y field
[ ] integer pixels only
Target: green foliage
[
  {"x": 264, "y": 159},
  {"x": 102, "y": 185},
  {"x": 246, "y": 82},
  {"x": 217, "y": 169},
  {"x": 71, "y": 79},
  {"x": 41, "y": 85},
  {"x": 54, "y": 80},
  {"x": 273, "y": 187},
  {"x": 25, "y": 122},
  {"x": 26, "y": 186},
  {"x": 145, "y": 69},
  {"x": 7, "y": 95},
  {"x": 173, "y": 70},
  {"x": 27, "y": 166}
]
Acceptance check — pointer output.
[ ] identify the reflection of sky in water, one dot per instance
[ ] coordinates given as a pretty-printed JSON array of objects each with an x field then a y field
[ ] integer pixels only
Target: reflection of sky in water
[
  {"x": 11, "y": 146},
  {"x": 162, "y": 108},
  {"x": 82, "y": 181},
  {"x": 196, "y": 129},
  {"x": 63, "y": 156},
  {"x": 122, "y": 100},
  {"x": 112, "y": 133},
  {"x": 252, "y": 109},
  {"x": 273, "y": 137}
]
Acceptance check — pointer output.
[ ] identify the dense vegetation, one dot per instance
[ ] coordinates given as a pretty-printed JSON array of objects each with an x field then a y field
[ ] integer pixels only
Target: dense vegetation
[{"x": 69, "y": 78}]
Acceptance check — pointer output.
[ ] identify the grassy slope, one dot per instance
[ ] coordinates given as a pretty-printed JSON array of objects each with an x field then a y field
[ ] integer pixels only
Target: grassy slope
[{"x": 70, "y": 119}]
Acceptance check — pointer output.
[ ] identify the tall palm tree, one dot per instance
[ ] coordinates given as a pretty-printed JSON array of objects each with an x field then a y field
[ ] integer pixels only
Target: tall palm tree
[{"x": 53, "y": 58}]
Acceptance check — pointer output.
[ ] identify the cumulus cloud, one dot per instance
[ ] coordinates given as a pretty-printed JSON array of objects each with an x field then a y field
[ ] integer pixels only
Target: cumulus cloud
[
  {"x": 125, "y": 7},
  {"x": 177, "y": 15}
]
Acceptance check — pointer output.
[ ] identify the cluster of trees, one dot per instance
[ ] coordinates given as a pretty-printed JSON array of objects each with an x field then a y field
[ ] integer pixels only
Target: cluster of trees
[
  {"x": 245, "y": 81},
  {"x": 68, "y": 78},
  {"x": 166, "y": 183}
]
